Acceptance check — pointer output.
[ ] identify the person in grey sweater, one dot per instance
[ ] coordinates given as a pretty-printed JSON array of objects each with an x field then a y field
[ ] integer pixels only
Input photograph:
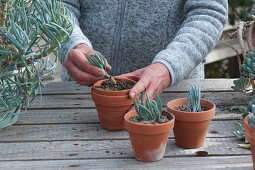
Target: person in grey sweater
[{"x": 155, "y": 42}]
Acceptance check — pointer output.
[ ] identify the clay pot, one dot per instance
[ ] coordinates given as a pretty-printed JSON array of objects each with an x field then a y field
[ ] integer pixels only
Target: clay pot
[
  {"x": 111, "y": 106},
  {"x": 191, "y": 127},
  {"x": 250, "y": 136},
  {"x": 148, "y": 141}
]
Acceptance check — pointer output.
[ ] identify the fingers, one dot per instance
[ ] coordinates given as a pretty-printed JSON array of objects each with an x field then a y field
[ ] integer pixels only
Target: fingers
[
  {"x": 141, "y": 85},
  {"x": 135, "y": 75},
  {"x": 80, "y": 69},
  {"x": 153, "y": 88},
  {"x": 77, "y": 58},
  {"x": 108, "y": 67},
  {"x": 80, "y": 76}
]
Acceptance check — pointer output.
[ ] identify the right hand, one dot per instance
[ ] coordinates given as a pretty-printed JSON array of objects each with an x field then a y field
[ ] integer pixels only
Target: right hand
[{"x": 80, "y": 69}]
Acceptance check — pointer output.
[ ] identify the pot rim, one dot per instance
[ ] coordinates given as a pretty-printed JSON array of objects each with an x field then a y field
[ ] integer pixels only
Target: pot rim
[
  {"x": 107, "y": 100},
  {"x": 192, "y": 116},
  {"x": 111, "y": 93},
  {"x": 153, "y": 129},
  {"x": 168, "y": 103}
]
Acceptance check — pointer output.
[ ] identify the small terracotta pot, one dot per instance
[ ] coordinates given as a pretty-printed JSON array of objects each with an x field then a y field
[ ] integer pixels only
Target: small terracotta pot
[
  {"x": 148, "y": 141},
  {"x": 250, "y": 136},
  {"x": 111, "y": 106},
  {"x": 191, "y": 127}
]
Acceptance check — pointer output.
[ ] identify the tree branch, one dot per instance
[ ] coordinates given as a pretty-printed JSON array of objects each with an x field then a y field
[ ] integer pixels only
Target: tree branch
[
  {"x": 237, "y": 53},
  {"x": 240, "y": 37},
  {"x": 249, "y": 35}
]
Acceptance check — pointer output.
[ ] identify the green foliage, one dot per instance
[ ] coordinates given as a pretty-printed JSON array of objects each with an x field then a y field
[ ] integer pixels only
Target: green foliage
[
  {"x": 32, "y": 30},
  {"x": 193, "y": 99},
  {"x": 248, "y": 65},
  {"x": 240, "y": 132},
  {"x": 240, "y": 10},
  {"x": 248, "y": 109},
  {"x": 248, "y": 68},
  {"x": 149, "y": 109},
  {"x": 251, "y": 117},
  {"x": 241, "y": 84},
  {"x": 252, "y": 120},
  {"x": 99, "y": 61}
]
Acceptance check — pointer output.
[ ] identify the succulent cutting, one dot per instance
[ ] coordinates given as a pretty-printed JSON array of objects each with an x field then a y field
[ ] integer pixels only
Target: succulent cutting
[
  {"x": 193, "y": 99},
  {"x": 148, "y": 109},
  {"x": 98, "y": 60}
]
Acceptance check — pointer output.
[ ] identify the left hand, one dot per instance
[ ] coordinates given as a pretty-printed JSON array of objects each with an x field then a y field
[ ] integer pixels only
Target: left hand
[{"x": 153, "y": 78}]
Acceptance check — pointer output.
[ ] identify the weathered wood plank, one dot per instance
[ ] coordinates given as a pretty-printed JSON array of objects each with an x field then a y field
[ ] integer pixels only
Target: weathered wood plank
[
  {"x": 214, "y": 162},
  {"x": 53, "y": 132},
  {"x": 84, "y": 101},
  {"x": 109, "y": 149},
  {"x": 59, "y": 116},
  {"x": 206, "y": 85}
]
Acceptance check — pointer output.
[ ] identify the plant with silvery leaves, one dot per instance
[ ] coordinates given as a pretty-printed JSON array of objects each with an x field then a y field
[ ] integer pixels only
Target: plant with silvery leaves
[
  {"x": 148, "y": 109},
  {"x": 193, "y": 99},
  {"x": 30, "y": 30},
  {"x": 251, "y": 117},
  {"x": 98, "y": 60}
]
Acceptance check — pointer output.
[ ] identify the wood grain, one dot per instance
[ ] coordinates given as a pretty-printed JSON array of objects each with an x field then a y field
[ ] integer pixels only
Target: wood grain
[
  {"x": 58, "y": 116},
  {"x": 206, "y": 85},
  {"x": 61, "y": 130},
  {"x": 55, "y": 132},
  {"x": 79, "y": 101},
  {"x": 109, "y": 149},
  {"x": 214, "y": 162}
]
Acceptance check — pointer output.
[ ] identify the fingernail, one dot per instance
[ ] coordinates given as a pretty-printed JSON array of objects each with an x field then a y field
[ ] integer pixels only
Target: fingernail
[{"x": 132, "y": 95}]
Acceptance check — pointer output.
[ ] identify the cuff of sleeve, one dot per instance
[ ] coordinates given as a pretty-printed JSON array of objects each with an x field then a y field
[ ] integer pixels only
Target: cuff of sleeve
[{"x": 169, "y": 67}]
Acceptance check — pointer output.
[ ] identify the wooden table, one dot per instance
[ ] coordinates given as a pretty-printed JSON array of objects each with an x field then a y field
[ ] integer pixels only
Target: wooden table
[{"x": 61, "y": 130}]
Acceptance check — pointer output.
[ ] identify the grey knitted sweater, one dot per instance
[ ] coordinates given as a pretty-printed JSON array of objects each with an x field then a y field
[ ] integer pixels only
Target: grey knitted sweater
[{"x": 132, "y": 34}]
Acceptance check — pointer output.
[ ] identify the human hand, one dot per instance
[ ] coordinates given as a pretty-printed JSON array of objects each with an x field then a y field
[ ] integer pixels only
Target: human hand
[
  {"x": 153, "y": 78},
  {"x": 80, "y": 69}
]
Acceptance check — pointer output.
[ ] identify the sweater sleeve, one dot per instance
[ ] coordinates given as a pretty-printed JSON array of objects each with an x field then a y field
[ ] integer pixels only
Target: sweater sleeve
[
  {"x": 77, "y": 36},
  {"x": 199, "y": 33}
]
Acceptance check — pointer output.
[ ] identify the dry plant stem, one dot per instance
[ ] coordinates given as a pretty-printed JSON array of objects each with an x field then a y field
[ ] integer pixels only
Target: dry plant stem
[
  {"x": 3, "y": 12},
  {"x": 232, "y": 35},
  {"x": 240, "y": 37},
  {"x": 237, "y": 53},
  {"x": 252, "y": 82},
  {"x": 249, "y": 35}
]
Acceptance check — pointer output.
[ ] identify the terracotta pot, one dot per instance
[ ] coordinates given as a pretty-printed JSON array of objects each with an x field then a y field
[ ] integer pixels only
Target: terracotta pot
[
  {"x": 148, "y": 141},
  {"x": 250, "y": 136},
  {"x": 111, "y": 106},
  {"x": 191, "y": 127}
]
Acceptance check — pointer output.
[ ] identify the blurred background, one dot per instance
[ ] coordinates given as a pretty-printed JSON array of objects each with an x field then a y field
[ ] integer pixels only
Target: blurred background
[{"x": 221, "y": 61}]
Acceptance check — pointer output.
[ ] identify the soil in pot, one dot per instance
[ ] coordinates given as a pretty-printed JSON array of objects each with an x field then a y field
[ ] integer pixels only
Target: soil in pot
[
  {"x": 112, "y": 102},
  {"x": 165, "y": 117},
  {"x": 184, "y": 108},
  {"x": 148, "y": 140},
  {"x": 120, "y": 85}
]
